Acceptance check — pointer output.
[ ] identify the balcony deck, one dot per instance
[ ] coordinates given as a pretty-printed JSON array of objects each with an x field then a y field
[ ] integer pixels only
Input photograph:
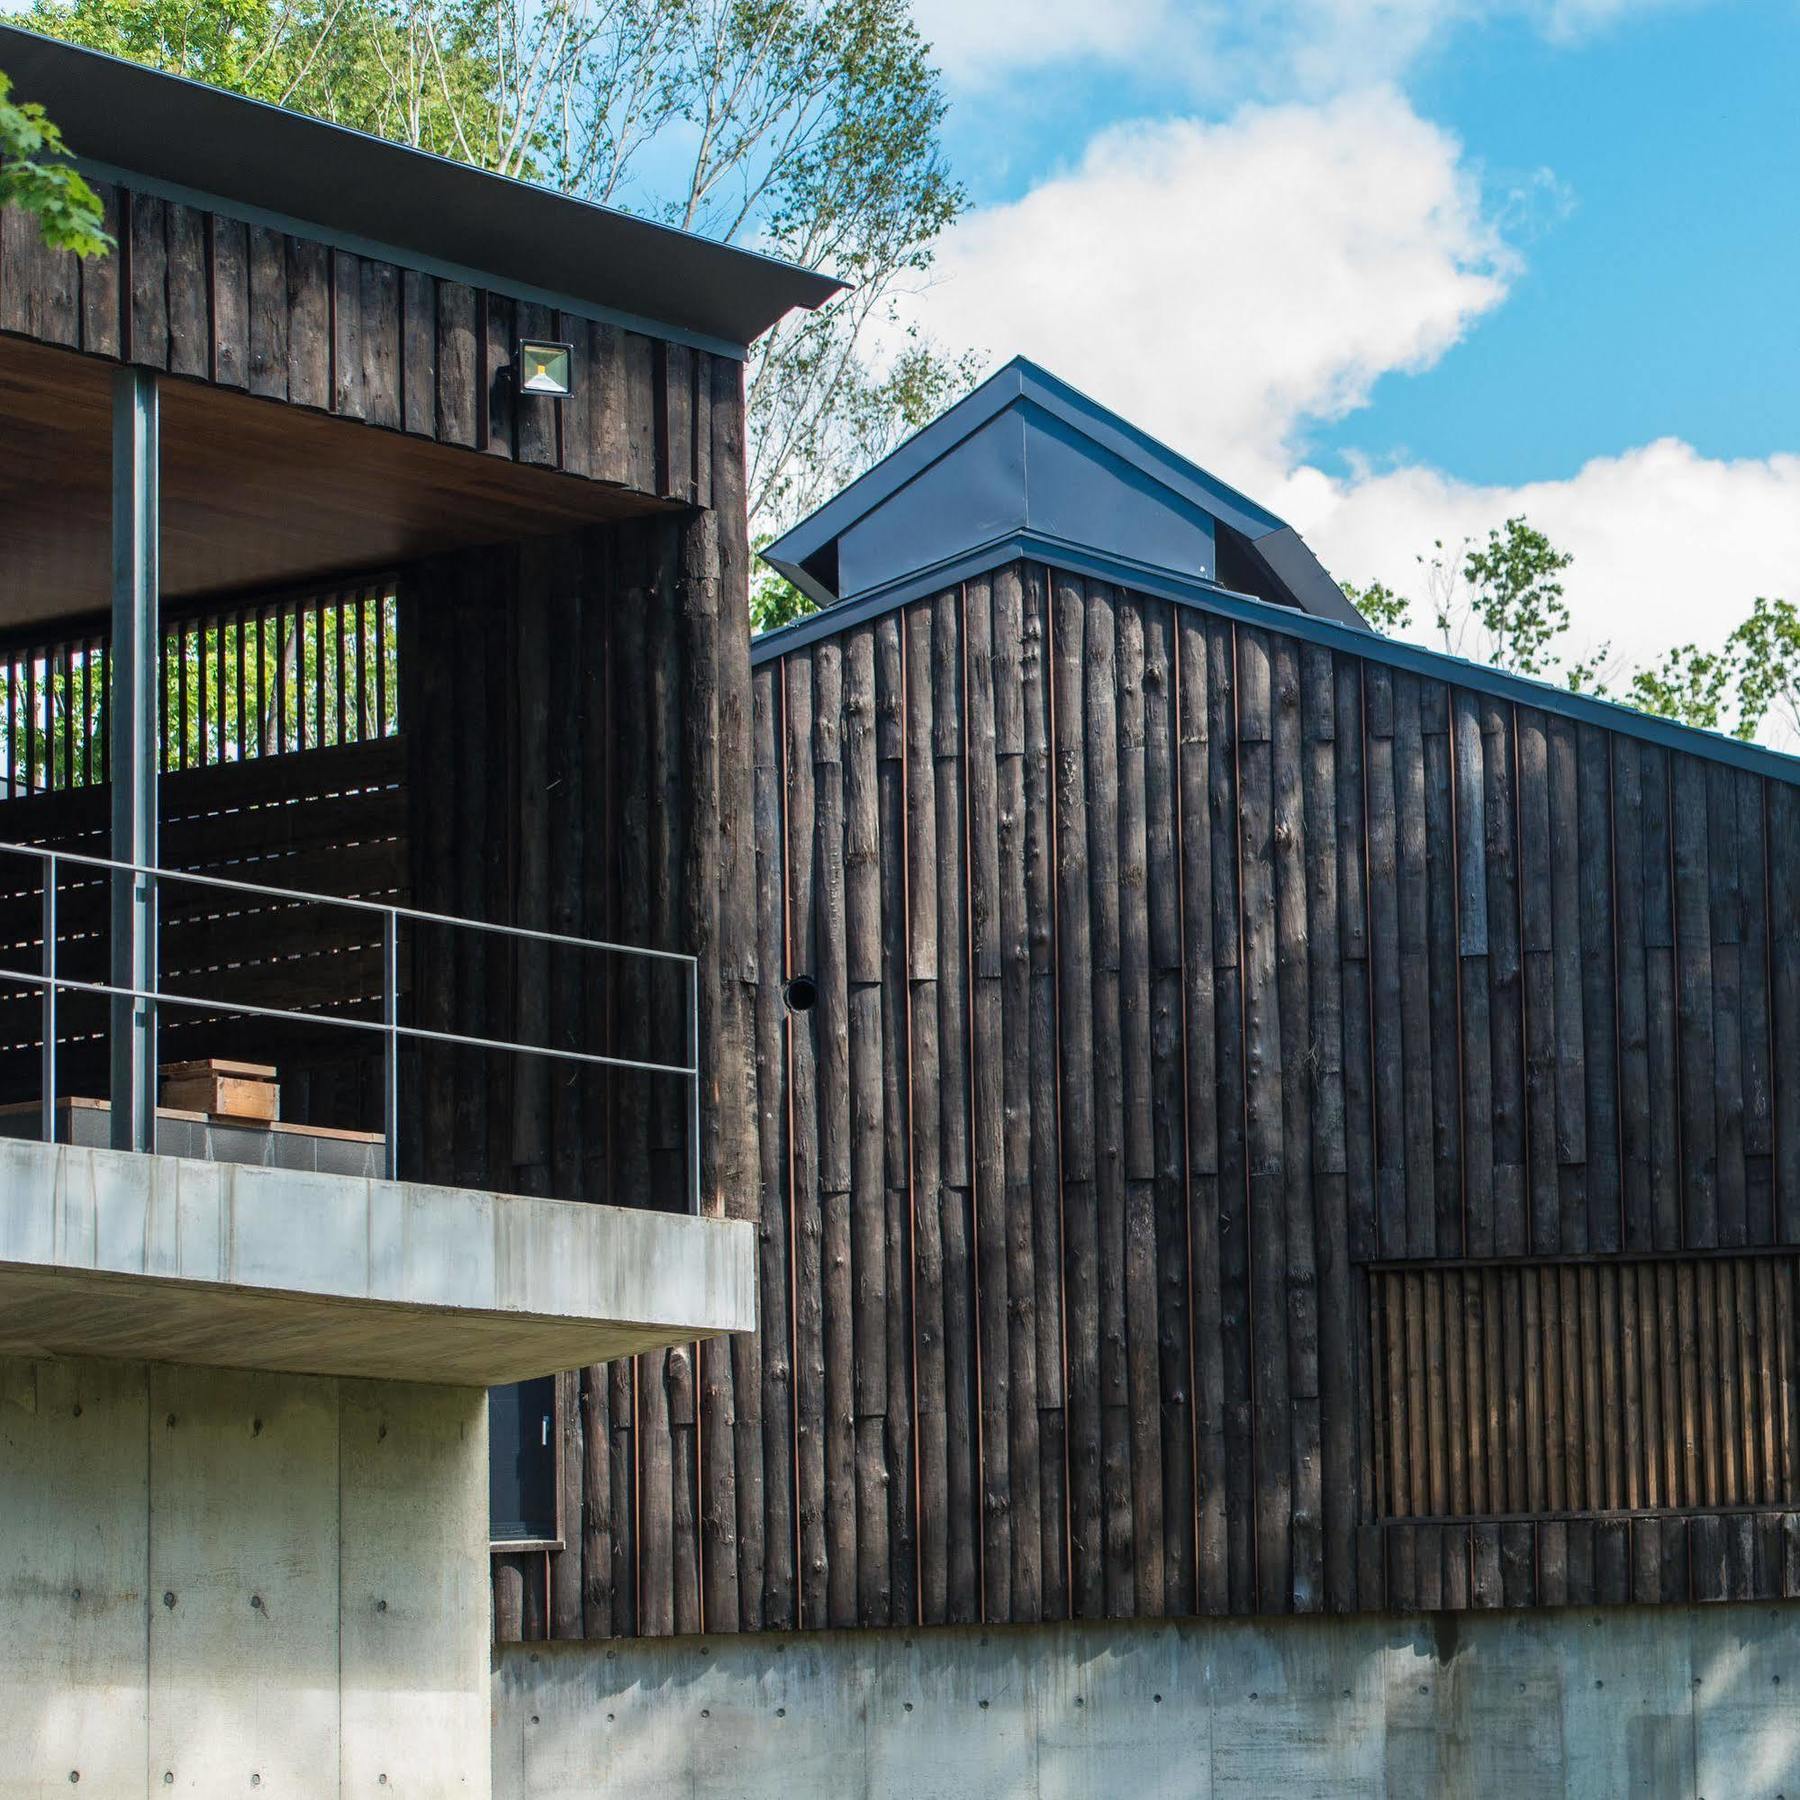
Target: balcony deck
[{"x": 122, "y": 1254}]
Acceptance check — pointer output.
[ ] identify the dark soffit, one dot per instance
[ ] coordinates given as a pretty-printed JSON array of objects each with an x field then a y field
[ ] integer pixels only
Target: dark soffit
[{"x": 183, "y": 134}]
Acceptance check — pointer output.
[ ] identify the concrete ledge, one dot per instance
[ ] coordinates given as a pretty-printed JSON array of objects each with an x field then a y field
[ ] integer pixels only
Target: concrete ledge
[{"x": 110, "y": 1253}]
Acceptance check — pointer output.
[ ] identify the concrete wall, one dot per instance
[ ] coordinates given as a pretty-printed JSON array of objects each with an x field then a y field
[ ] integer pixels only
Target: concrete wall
[
  {"x": 1674, "y": 1702},
  {"x": 218, "y": 1582}
]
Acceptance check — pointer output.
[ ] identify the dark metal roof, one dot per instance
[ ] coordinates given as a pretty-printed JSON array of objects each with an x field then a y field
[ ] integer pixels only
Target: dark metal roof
[
  {"x": 250, "y": 156},
  {"x": 1354, "y": 640},
  {"x": 1027, "y": 453}
]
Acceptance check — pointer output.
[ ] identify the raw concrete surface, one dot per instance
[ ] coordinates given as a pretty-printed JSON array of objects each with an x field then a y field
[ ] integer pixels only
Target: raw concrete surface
[
  {"x": 218, "y": 1582},
  {"x": 1666, "y": 1702},
  {"x": 115, "y": 1253}
]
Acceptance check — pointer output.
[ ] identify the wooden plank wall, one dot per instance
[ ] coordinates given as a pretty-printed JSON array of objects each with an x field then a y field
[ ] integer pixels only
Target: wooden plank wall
[
  {"x": 579, "y": 724},
  {"x": 1173, "y": 974},
  {"x": 283, "y": 316}
]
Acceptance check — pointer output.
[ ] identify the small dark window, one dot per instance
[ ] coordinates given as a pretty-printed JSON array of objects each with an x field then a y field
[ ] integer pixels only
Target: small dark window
[
  {"x": 801, "y": 994},
  {"x": 522, "y": 1453}
]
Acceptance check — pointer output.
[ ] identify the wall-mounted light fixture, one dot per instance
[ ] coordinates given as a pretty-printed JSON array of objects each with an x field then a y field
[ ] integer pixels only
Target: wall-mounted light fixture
[{"x": 546, "y": 369}]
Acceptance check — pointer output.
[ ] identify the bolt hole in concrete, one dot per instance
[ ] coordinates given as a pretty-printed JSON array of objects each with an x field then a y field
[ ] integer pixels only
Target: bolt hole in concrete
[
  {"x": 168, "y": 1599},
  {"x": 256, "y": 1602}
]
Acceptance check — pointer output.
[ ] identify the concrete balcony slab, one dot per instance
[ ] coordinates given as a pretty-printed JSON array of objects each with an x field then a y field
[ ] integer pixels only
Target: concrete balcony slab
[{"x": 117, "y": 1254}]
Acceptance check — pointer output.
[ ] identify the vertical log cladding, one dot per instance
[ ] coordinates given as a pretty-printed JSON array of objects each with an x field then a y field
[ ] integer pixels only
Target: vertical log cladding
[
  {"x": 1172, "y": 972},
  {"x": 1080, "y": 1274},
  {"x": 593, "y": 696},
  {"x": 287, "y": 317}
]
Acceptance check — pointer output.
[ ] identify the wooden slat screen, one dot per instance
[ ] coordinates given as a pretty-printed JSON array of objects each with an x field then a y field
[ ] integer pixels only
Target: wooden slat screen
[
  {"x": 267, "y": 678},
  {"x": 264, "y": 677},
  {"x": 333, "y": 822},
  {"x": 1557, "y": 1387}
]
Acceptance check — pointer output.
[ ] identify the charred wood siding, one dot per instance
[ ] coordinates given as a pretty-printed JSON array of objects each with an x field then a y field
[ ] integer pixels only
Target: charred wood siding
[
  {"x": 1191, "y": 998},
  {"x": 211, "y": 298},
  {"x": 580, "y": 760}
]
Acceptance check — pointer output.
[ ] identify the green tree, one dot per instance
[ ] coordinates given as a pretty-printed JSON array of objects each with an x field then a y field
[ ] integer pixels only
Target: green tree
[
  {"x": 809, "y": 129},
  {"x": 361, "y": 63},
  {"x": 1386, "y": 610},
  {"x": 1766, "y": 652},
  {"x": 1498, "y": 601},
  {"x": 1689, "y": 685},
  {"x": 1515, "y": 602},
  {"x": 774, "y": 600},
  {"x": 34, "y": 178}
]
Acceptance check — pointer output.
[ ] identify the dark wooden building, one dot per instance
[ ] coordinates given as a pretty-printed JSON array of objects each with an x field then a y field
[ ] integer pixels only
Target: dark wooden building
[
  {"x": 425, "y": 637},
  {"x": 1254, "y": 1117}
]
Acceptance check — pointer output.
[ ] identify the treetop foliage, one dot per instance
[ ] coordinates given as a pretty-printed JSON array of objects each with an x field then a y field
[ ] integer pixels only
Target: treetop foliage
[
  {"x": 34, "y": 178},
  {"x": 1501, "y": 602}
]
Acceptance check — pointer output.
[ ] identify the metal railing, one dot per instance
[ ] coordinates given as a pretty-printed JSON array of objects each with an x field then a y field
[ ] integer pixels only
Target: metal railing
[{"x": 388, "y": 1027}]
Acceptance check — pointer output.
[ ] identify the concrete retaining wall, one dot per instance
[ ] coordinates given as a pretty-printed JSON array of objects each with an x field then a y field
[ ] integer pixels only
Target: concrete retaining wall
[
  {"x": 217, "y": 1582},
  {"x": 1668, "y": 1702}
]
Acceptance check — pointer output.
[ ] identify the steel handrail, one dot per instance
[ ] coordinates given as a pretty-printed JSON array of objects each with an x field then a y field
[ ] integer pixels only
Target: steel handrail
[{"x": 388, "y": 1025}]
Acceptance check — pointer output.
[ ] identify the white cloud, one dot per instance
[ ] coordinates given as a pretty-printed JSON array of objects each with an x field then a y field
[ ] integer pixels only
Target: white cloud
[
  {"x": 1216, "y": 48},
  {"x": 978, "y": 42},
  {"x": 1223, "y": 284},
  {"x": 1670, "y": 546}
]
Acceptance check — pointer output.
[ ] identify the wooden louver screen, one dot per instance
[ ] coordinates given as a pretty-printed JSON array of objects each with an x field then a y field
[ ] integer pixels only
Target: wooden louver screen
[
  {"x": 1654, "y": 1385},
  {"x": 257, "y": 678}
]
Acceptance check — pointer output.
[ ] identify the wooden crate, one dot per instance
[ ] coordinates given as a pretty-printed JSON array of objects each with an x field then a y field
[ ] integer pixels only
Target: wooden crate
[{"x": 232, "y": 1090}]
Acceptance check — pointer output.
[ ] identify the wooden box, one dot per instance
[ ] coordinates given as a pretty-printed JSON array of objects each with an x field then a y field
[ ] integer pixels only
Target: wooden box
[{"x": 230, "y": 1090}]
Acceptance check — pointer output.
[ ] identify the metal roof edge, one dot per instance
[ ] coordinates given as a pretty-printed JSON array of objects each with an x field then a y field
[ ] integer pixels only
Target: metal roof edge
[
  {"x": 155, "y": 125},
  {"x": 1435, "y": 665},
  {"x": 904, "y": 463},
  {"x": 1132, "y": 444},
  {"x": 1021, "y": 379}
]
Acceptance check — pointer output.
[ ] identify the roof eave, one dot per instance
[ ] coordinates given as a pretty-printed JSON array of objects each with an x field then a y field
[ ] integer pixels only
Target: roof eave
[{"x": 234, "y": 151}]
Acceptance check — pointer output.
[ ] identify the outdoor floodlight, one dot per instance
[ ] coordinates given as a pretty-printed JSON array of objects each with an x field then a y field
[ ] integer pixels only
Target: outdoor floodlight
[{"x": 545, "y": 369}]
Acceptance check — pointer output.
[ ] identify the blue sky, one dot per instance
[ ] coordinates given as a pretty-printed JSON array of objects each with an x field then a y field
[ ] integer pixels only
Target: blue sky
[
  {"x": 1663, "y": 299},
  {"x": 1402, "y": 267}
]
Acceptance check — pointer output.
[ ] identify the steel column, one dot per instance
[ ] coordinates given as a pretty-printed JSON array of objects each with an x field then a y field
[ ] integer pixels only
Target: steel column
[{"x": 132, "y": 748}]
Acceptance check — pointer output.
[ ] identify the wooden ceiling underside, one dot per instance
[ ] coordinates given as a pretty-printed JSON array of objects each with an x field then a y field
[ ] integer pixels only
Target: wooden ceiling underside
[{"x": 255, "y": 493}]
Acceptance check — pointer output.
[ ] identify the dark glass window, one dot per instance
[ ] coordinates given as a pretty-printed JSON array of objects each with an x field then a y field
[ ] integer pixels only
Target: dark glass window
[{"x": 522, "y": 1437}]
